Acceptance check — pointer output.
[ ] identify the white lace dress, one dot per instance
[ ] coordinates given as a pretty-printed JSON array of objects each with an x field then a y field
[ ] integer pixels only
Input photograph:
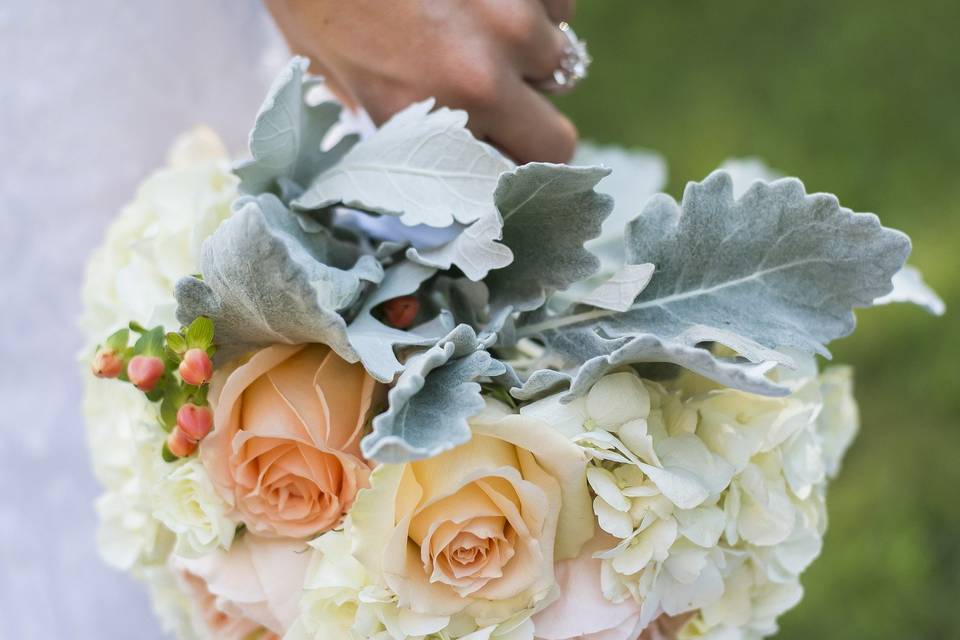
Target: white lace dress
[{"x": 91, "y": 95}]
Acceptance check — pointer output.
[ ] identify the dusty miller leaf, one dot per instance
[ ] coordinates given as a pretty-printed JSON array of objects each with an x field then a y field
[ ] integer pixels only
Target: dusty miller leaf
[
  {"x": 268, "y": 280},
  {"x": 635, "y": 175},
  {"x": 373, "y": 341},
  {"x": 425, "y": 167},
  {"x": 432, "y": 400},
  {"x": 733, "y": 372},
  {"x": 908, "y": 286},
  {"x": 476, "y": 250},
  {"x": 548, "y": 212},
  {"x": 287, "y": 136},
  {"x": 619, "y": 291},
  {"x": 775, "y": 268}
]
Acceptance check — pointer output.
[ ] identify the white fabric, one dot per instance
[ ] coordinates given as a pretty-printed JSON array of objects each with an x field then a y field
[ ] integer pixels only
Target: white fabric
[{"x": 91, "y": 95}]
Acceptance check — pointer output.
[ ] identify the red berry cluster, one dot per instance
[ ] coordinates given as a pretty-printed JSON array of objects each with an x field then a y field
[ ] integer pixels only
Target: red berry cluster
[{"x": 173, "y": 370}]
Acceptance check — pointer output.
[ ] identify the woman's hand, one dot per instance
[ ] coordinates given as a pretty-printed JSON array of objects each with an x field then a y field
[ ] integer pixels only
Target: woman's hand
[{"x": 483, "y": 56}]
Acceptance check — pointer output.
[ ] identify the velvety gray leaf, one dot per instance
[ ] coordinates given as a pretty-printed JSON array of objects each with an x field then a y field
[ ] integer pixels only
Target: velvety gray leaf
[
  {"x": 432, "y": 400},
  {"x": 636, "y": 174},
  {"x": 908, "y": 286},
  {"x": 467, "y": 300},
  {"x": 777, "y": 267},
  {"x": 374, "y": 341},
  {"x": 619, "y": 291},
  {"x": 266, "y": 280},
  {"x": 548, "y": 212},
  {"x": 476, "y": 250},
  {"x": 736, "y": 373},
  {"x": 286, "y": 140},
  {"x": 542, "y": 382},
  {"x": 425, "y": 167}
]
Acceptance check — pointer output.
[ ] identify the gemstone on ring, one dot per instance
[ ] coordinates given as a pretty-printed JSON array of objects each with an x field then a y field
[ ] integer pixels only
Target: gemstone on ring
[{"x": 573, "y": 64}]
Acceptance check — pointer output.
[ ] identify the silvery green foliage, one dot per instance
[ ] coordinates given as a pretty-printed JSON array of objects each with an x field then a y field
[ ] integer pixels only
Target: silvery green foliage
[
  {"x": 548, "y": 212},
  {"x": 618, "y": 292},
  {"x": 432, "y": 399},
  {"x": 734, "y": 372},
  {"x": 286, "y": 140},
  {"x": 269, "y": 277},
  {"x": 775, "y": 268},
  {"x": 476, "y": 250},
  {"x": 636, "y": 175},
  {"x": 373, "y": 341},
  {"x": 745, "y": 171},
  {"x": 908, "y": 286},
  {"x": 423, "y": 166},
  {"x": 428, "y": 169},
  {"x": 467, "y": 300}
]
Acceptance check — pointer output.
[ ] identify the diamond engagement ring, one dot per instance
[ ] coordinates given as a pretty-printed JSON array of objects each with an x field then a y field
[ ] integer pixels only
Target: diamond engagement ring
[{"x": 573, "y": 65}]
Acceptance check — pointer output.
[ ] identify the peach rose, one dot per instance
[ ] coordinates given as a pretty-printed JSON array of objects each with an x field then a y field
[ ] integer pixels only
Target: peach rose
[
  {"x": 254, "y": 587},
  {"x": 477, "y": 529},
  {"x": 285, "y": 448}
]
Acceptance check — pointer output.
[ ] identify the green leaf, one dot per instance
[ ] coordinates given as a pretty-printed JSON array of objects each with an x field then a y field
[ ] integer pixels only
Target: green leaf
[
  {"x": 177, "y": 343},
  {"x": 167, "y": 454},
  {"x": 150, "y": 342},
  {"x": 119, "y": 340},
  {"x": 549, "y": 212},
  {"x": 168, "y": 412},
  {"x": 271, "y": 278},
  {"x": 200, "y": 333},
  {"x": 136, "y": 327}
]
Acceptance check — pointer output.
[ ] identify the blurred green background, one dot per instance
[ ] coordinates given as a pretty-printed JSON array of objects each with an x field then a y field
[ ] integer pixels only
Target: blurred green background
[{"x": 859, "y": 98}]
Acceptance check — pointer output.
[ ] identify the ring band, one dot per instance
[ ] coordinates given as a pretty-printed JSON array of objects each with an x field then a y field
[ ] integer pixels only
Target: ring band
[{"x": 573, "y": 64}]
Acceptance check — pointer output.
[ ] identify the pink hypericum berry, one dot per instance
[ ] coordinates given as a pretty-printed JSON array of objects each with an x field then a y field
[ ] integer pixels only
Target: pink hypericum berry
[
  {"x": 145, "y": 372},
  {"x": 401, "y": 312},
  {"x": 194, "y": 421},
  {"x": 180, "y": 443},
  {"x": 107, "y": 363},
  {"x": 196, "y": 368}
]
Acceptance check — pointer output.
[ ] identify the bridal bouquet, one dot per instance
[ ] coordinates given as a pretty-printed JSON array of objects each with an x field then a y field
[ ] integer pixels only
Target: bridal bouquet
[{"x": 385, "y": 384}]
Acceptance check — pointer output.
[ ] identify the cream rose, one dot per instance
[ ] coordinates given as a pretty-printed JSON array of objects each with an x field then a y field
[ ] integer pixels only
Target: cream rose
[
  {"x": 284, "y": 451},
  {"x": 476, "y": 530},
  {"x": 251, "y": 591}
]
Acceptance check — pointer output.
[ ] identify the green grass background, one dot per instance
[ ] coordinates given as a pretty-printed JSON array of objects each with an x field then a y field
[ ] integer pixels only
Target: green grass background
[{"x": 862, "y": 99}]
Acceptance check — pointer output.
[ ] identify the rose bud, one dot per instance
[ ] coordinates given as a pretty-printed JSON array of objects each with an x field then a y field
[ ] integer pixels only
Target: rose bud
[
  {"x": 196, "y": 368},
  {"x": 401, "y": 312},
  {"x": 145, "y": 372},
  {"x": 180, "y": 443},
  {"x": 194, "y": 421},
  {"x": 107, "y": 363}
]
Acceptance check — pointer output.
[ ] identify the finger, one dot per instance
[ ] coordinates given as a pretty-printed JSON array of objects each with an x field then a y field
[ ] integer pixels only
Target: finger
[
  {"x": 559, "y": 10},
  {"x": 539, "y": 54},
  {"x": 528, "y": 128}
]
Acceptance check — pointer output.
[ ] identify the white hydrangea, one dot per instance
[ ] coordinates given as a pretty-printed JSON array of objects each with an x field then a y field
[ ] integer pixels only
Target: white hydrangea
[
  {"x": 148, "y": 506},
  {"x": 125, "y": 442},
  {"x": 716, "y": 496},
  {"x": 170, "y": 604},
  {"x": 340, "y": 600},
  {"x": 156, "y": 239}
]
